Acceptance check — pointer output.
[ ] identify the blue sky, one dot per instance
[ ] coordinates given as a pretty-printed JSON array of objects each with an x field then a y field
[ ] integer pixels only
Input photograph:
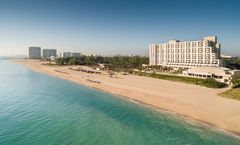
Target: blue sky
[{"x": 115, "y": 26}]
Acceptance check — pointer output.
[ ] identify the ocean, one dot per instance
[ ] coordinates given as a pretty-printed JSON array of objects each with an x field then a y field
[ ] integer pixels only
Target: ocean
[{"x": 37, "y": 109}]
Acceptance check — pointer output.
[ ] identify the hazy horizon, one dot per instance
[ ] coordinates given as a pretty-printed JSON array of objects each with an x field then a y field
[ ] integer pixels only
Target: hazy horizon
[{"x": 112, "y": 27}]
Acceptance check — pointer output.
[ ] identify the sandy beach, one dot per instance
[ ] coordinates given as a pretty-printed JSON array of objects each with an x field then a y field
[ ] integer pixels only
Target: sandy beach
[{"x": 196, "y": 102}]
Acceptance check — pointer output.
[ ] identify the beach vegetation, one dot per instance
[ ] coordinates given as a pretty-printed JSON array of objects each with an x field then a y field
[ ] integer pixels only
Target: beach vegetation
[
  {"x": 234, "y": 92},
  {"x": 117, "y": 63},
  {"x": 236, "y": 84},
  {"x": 210, "y": 83},
  {"x": 233, "y": 63}
]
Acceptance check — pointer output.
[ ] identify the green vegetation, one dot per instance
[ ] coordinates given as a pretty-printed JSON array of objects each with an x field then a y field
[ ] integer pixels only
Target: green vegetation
[
  {"x": 233, "y": 93},
  {"x": 233, "y": 63},
  {"x": 210, "y": 83},
  {"x": 236, "y": 84},
  {"x": 114, "y": 62}
]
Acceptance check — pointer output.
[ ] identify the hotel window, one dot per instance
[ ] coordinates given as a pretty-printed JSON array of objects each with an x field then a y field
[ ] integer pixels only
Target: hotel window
[
  {"x": 188, "y": 44},
  {"x": 207, "y": 50},
  {"x": 209, "y": 43},
  {"x": 182, "y": 56},
  {"x": 200, "y": 50},
  {"x": 207, "y": 61},
  {"x": 200, "y": 44},
  {"x": 206, "y": 43},
  {"x": 194, "y": 50},
  {"x": 207, "y": 56},
  {"x": 182, "y": 50},
  {"x": 182, "y": 45},
  {"x": 194, "y": 56},
  {"x": 167, "y": 45},
  {"x": 200, "y": 56},
  {"x": 177, "y": 56},
  {"x": 193, "y": 44},
  {"x": 177, "y": 45},
  {"x": 177, "y": 50}
]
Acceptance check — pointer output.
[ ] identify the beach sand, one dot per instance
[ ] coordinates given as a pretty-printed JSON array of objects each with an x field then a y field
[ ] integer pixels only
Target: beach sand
[{"x": 196, "y": 102}]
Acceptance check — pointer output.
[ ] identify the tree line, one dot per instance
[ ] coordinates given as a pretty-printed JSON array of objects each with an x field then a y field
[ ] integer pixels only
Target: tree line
[{"x": 127, "y": 62}]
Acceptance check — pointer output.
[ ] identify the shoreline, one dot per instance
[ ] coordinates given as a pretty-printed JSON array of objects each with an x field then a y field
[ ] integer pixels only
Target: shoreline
[
  {"x": 227, "y": 121},
  {"x": 178, "y": 116}
]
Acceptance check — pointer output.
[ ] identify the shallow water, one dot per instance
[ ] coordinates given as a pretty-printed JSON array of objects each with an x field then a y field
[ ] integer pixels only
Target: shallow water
[{"x": 37, "y": 109}]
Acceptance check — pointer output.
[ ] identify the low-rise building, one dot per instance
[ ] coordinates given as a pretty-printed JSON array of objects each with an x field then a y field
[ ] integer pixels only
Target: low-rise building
[{"x": 220, "y": 74}]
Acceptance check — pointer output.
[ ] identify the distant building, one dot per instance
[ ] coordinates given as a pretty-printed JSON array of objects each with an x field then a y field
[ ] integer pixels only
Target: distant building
[
  {"x": 66, "y": 54},
  {"x": 48, "y": 53},
  {"x": 226, "y": 56},
  {"x": 188, "y": 54},
  {"x": 34, "y": 52},
  {"x": 76, "y": 54},
  {"x": 71, "y": 54}
]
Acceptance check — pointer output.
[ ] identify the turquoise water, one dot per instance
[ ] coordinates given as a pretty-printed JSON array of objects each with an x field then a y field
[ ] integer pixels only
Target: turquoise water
[{"x": 36, "y": 109}]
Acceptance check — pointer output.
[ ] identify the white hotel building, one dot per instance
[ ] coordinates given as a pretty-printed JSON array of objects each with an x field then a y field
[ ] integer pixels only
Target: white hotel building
[{"x": 189, "y": 54}]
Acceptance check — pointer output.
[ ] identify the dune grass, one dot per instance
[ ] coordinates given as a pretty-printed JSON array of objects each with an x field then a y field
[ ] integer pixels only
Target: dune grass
[
  {"x": 234, "y": 92},
  {"x": 231, "y": 94}
]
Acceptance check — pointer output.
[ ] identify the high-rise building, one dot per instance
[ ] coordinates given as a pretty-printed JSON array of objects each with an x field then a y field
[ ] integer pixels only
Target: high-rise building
[
  {"x": 176, "y": 53},
  {"x": 76, "y": 54},
  {"x": 48, "y": 53},
  {"x": 66, "y": 54},
  {"x": 34, "y": 52},
  {"x": 71, "y": 54}
]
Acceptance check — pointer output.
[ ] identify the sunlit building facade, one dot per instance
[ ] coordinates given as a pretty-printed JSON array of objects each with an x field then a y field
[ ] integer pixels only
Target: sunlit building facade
[{"x": 177, "y": 53}]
